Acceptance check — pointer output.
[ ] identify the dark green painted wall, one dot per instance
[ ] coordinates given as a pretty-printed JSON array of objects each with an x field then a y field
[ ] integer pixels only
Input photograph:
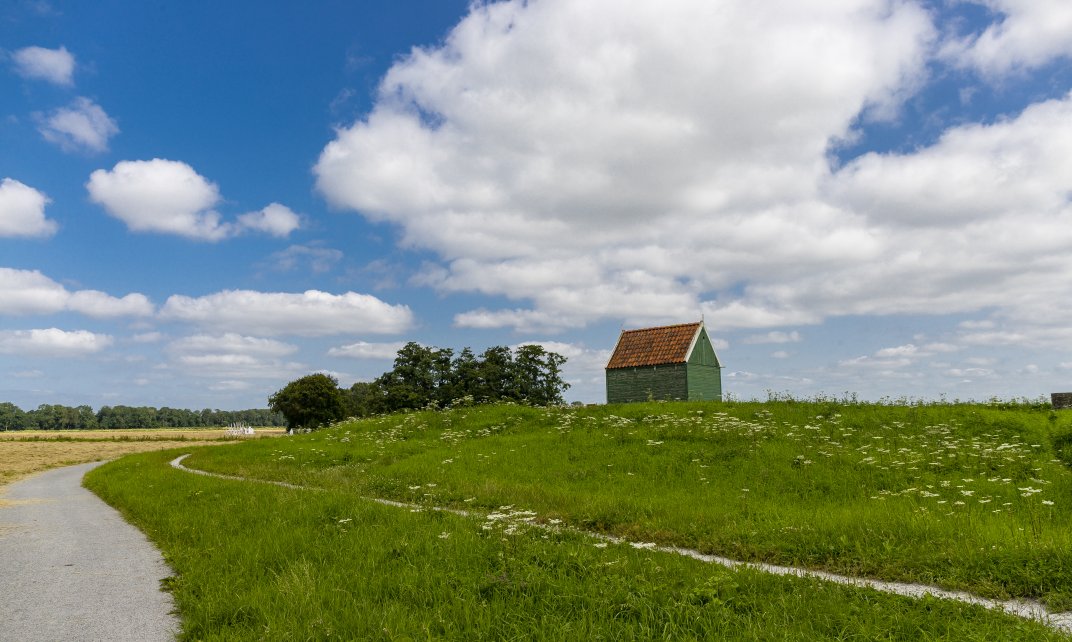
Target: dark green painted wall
[
  {"x": 698, "y": 380},
  {"x": 705, "y": 383},
  {"x": 669, "y": 382}
]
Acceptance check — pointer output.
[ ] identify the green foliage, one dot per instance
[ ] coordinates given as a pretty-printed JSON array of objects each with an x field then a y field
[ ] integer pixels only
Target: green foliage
[
  {"x": 538, "y": 375},
  {"x": 310, "y": 402},
  {"x": 12, "y": 417},
  {"x": 426, "y": 377},
  {"x": 420, "y": 376},
  {"x": 364, "y": 398}
]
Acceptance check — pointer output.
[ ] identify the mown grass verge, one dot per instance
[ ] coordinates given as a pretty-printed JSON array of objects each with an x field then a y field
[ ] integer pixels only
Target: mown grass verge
[
  {"x": 966, "y": 497},
  {"x": 256, "y": 561}
]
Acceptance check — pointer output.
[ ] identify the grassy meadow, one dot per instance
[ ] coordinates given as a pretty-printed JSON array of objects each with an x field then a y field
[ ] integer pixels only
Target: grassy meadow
[{"x": 970, "y": 497}]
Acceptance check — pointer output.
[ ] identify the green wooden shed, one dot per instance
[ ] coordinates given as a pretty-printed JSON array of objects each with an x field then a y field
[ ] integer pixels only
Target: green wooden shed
[{"x": 673, "y": 362}]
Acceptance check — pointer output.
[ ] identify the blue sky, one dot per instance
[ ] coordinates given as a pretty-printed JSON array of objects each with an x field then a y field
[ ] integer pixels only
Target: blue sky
[{"x": 202, "y": 201}]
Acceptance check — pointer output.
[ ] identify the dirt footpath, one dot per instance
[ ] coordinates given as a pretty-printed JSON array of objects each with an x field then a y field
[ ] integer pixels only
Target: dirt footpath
[{"x": 72, "y": 569}]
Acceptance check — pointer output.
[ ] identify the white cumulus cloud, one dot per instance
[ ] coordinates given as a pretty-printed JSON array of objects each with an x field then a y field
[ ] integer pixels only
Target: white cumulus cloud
[
  {"x": 981, "y": 219},
  {"x": 94, "y": 303},
  {"x": 1029, "y": 33},
  {"x": 644, "y": 163},
  {"x": 52, "y": 342},
  {"x": 232, "y": 343},
  {"x": 367, "y": 350},
  {"x": 275, "y": 219},
  {"x": 907, "y": 350},
  {"x": 773, "y": 337},
  {"x": 22, "y": 210},
  {"x": 234, "y": 358},
  {"x": 160, "y": 195},
  {"x": 83, "y": 125},
  {"x": 31, "y": 292},
  {"x": 53, "y": 65},
  {"x": 579, "y": 358},
  {"x": 311, "y": 313},
  {"x": 170, "y": 197},
  {"x": 607, "y": 160}
]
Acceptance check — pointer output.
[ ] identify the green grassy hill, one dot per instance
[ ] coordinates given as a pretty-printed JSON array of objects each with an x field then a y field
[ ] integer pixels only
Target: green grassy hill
[{"x": 969, "y": 497}]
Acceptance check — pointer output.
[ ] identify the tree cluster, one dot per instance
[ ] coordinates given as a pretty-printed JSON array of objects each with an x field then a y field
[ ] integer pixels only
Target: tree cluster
[
  {"x": 56, "y": 417},
  {"x": 426, "y": 376}
]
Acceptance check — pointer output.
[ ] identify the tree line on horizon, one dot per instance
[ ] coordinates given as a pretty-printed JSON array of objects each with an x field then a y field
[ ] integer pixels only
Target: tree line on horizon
[
  {"x": 58, "y": 417},
  {"x": 425, "y": 377}
]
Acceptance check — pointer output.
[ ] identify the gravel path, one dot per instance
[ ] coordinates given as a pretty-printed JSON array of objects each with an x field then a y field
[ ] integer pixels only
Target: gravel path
[{"x": 72, "y": 569}]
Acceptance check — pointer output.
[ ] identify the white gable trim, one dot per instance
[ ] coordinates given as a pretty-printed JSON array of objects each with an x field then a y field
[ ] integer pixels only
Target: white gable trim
[{"x": 692, "y": 345}]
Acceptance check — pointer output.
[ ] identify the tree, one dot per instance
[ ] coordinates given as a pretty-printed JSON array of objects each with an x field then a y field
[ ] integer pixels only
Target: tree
[
  {"x": 496, "y": 377},
  {"x": 465, "y": 376},
  {"x": 365, "y": 398},
  {"x": 424, "y": 375},
  {"x": 87, "y": 419},
  {"x": 12, "y": 417},
  {"x": 310, "y": 402},
  {"x": 421, "y": 376},
  {"x": 538, "y": 375}
]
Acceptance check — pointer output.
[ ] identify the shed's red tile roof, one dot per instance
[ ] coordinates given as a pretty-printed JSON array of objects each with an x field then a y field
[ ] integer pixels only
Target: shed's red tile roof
[{"x": 653, "y": 346}]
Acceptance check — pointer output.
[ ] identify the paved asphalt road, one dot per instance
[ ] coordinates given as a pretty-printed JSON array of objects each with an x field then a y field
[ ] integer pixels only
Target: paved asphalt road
[{"x": 72, "y": 569}]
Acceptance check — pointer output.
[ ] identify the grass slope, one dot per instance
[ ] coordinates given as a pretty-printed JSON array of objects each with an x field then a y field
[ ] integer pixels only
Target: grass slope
[
  {"x": 964, "y": 496},
  {"x": 260, "y": 562}
]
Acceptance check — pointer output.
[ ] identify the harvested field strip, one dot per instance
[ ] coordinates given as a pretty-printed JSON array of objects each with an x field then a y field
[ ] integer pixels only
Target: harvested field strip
[
  {"x": 130, "y": 434},
  {"x": 26, "y": 452},
  {"x": 1022, "y": 608},
  {"x": 19, "y": 459}
]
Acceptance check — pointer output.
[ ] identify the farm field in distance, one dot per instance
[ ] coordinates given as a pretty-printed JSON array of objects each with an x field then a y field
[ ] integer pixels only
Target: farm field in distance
[
  {"x": 24, "y": 452},
  {"x": 968, "y": 497}
]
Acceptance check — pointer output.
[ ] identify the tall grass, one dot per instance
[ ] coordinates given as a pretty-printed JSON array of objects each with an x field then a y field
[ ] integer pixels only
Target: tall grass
[
  {"x": 963, "y": 496},
  {"x": 260, "y": 562}
]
